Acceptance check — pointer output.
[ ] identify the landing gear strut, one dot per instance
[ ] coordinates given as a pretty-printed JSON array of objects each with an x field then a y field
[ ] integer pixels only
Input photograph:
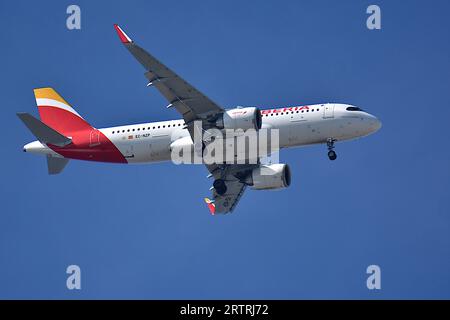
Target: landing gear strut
[{"x": 331, "y": 153}]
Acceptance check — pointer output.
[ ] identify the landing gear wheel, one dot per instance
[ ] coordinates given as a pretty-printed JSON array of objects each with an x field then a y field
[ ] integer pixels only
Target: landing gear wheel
[
  {"x": 332, "y": 155},
  {"x": 220, "y": 186}
]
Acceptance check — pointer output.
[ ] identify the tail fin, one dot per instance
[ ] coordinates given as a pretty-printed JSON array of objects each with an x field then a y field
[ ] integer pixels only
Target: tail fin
[{"x": 57, "y": 112}]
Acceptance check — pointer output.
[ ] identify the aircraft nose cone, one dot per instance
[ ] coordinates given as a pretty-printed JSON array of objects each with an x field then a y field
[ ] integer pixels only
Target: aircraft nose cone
[{"x": 375, "y": 124}]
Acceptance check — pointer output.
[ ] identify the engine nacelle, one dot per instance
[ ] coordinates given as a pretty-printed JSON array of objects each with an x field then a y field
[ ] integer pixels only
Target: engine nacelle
[
  {"x": 241, "y": 118},
  {"x": 275, "y": 176}
]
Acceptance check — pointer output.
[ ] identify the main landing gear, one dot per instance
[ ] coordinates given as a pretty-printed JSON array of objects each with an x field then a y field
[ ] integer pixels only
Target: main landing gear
[
  {"x": 331, "y": 153},
  {"x": 220, "y": 186}
]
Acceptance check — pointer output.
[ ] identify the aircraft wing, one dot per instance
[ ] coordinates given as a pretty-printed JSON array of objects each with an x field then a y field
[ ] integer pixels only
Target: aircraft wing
[
  {"x": 193, "y": 106},
  {"x": 189, "y": 102},
  {"x": 227, "y": 202},
  {"x": 233, "y": 176}
]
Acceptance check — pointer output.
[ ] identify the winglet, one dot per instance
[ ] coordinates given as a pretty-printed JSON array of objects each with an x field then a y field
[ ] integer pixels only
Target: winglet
[
  {"x": 122, "y": 35},
  {"x": 211, "y": 205}
]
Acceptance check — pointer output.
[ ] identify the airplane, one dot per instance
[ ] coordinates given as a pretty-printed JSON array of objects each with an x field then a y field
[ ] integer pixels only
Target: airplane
[{"x": 63, "y": 134}]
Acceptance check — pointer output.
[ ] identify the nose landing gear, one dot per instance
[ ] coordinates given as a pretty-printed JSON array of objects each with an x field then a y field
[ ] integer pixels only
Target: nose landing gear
[{"x": 331, "y": 153}]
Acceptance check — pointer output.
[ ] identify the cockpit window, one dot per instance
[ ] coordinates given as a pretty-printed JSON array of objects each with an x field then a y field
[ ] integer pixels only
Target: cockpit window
[{"x": 354, "y": 109}]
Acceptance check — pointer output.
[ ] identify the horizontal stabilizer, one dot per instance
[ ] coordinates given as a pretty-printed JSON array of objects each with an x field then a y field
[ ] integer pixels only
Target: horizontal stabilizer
[
  {"x": 56, "y": 165},
  {"x": 43, "y": 132}
]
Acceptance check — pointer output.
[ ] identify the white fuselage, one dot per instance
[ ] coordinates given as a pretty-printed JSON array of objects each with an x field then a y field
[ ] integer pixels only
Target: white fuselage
[
  {"x": 149, "y": 142},
  {"x": 298, "y": 126}
]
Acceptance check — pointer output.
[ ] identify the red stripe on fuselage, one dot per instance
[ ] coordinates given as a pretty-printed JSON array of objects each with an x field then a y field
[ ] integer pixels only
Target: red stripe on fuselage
[{"x": 90, "y": 145}]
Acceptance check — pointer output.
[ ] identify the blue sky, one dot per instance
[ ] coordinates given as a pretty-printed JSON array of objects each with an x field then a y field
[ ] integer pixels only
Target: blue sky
[{"x": 144, "y": 231}]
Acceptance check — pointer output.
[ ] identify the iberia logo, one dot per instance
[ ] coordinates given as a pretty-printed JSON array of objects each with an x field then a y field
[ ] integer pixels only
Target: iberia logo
[{"x": 211, "y": 205}]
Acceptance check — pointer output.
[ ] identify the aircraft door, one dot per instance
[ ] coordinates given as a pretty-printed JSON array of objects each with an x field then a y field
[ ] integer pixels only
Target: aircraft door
[
  {"x": 328, "y": 111},
  {"x": 94, "y": 138}
]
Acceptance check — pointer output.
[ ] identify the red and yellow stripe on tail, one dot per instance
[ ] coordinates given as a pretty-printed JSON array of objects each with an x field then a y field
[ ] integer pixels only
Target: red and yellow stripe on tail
[
  {"x": 88, "y": 143},
  {"x": 57, "y": 113}
]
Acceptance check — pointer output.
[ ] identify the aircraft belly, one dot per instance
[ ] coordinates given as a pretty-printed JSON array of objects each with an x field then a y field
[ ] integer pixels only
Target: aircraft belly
[{"x": 312, "y": 131}]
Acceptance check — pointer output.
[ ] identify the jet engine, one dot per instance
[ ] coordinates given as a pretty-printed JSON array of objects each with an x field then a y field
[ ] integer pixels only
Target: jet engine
[
  {"x": 275, "y": 176},
  {"x": 240, "y": 118}
]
